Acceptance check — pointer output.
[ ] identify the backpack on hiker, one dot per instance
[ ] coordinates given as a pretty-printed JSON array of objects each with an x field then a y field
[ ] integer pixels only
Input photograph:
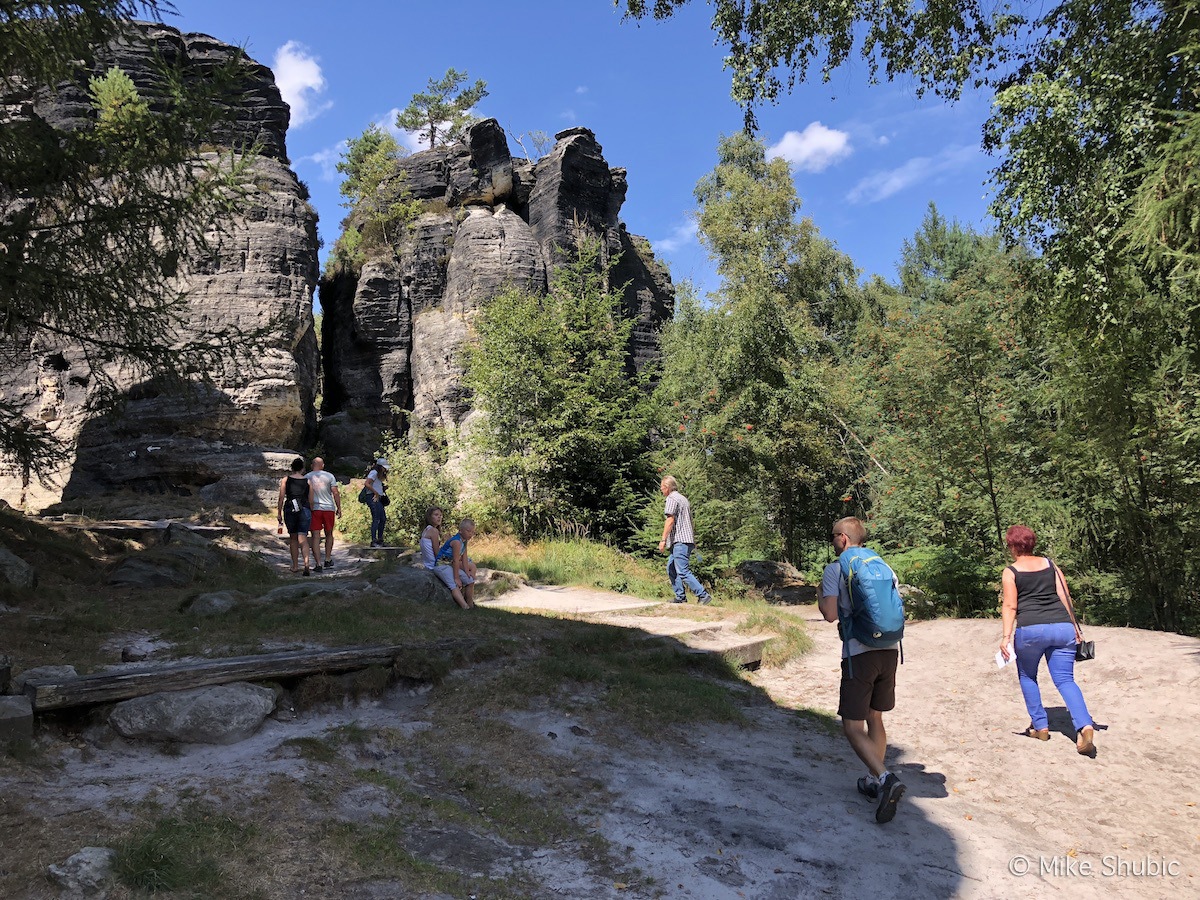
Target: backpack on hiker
[{"x": 876, "y": 616}]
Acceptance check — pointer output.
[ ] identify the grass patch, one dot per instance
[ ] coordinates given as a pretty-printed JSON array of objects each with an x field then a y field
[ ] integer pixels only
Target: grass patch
[
  {"x": 573, "y": 561},
  {"x": 184, "y": 852},
  {"x": 791, "y": 637},
  {"x": 379, "y": 850}
]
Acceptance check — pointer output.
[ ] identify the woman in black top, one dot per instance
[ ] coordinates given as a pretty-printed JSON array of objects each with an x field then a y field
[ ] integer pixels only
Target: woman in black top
[
  {"x": 295, "y": 510},
  {"x": 1040, "y": 622}
]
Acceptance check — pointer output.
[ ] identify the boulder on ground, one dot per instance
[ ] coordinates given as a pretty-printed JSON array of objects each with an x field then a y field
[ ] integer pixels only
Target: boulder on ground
[
  {"x": 214, "y": 603},
  {"x": 221, "y": 714},
  {"x": 414, "y": 584},
  {"x": 15, "y": 571},
  {"x": 85, "y": 872},
  {"x": 41, "y": 673},
  {"x": 177, "y": 561},
  {"x": 16, "y": 722}
]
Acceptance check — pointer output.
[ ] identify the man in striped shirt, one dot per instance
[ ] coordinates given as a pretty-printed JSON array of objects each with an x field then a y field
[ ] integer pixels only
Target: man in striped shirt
[{"x": 678, "y": 542}]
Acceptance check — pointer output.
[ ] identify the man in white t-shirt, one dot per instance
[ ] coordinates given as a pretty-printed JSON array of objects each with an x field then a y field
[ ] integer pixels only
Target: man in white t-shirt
[{"x": 326, "y": 504}]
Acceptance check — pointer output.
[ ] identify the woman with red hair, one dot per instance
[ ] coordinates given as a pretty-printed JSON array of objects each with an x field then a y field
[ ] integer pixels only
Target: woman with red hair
[{"x": 1040, "y": 622}]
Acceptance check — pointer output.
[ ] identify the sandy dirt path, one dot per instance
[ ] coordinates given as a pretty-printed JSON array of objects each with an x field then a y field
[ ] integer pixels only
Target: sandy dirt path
[{"x": 769, "y": 811}]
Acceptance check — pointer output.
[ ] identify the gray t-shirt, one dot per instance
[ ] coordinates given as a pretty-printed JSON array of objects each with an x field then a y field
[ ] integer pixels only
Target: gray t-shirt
[
  {"x": 322, "y": 483},
  {"x": 834, "y": 585},
  {"x": 681, "y": 531}
]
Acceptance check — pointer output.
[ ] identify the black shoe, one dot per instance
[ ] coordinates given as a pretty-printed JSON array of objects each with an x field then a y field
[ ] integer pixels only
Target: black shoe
[
  {"x": 306, "y": 572},
  {"x": 705, "y": 601},
  {"x": 317, "y": 567},
  {"x": 329, "y": 563},
  {"x": 868, "y": 787},
  {"x": 890, "y": 793}
]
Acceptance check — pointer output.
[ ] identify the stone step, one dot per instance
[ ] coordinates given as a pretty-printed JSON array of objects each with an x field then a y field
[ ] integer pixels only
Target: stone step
[
  {"x": 662, "y": 626},
  {"x": 743, "y": 649}
]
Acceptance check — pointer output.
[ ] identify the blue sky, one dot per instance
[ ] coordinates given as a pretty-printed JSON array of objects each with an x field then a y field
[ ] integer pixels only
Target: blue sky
[{"x": 867, "y": 160}]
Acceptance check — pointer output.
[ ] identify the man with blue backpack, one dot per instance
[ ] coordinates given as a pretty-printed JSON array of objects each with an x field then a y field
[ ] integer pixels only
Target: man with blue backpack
[{"x": 861, "y": 593}]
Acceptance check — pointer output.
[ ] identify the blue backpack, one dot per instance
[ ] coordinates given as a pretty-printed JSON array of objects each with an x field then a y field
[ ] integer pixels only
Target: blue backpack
[{"x": 876, "y": 609}]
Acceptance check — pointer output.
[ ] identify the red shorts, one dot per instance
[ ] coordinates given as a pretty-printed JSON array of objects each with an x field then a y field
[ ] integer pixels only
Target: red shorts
[{"x": 322, "y": 520}]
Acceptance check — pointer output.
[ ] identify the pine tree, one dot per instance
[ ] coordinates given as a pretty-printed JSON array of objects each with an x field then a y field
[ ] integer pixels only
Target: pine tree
[{"x": 443, "y": 113}]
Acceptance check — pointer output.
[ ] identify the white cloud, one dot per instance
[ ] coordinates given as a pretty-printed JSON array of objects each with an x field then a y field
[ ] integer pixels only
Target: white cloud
[
  {"x": 300, "y": 82},
  {"x": 682, "y": 235},
  {"x": 326, "y": 160},
  {"x": 814, "y": 149},
  {"x": 881, "y": 185},
  {"x": 568, "y": 115},
  {"x": 582, "y": 89}
]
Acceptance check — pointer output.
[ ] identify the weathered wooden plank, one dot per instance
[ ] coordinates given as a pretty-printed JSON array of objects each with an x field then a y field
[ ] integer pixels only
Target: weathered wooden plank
[{"x": 106, "y": 687}]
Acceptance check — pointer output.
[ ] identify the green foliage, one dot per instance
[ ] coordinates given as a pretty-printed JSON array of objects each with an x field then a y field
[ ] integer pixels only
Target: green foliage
[
  {"x": 575, "y": 561},
  {"x": 565, "y": 423},
  {"x": 183, "y": 852},
  {"x": 943, "y": 42},
  {"x": 120, "y": 110},
  {"x": 376, "y": 190},
  {"x": 952, "y": 584},
  {"x": 442, "y": 114},
  {"x": 417, "y": 480},
  {"x": 743, "y": 391}
]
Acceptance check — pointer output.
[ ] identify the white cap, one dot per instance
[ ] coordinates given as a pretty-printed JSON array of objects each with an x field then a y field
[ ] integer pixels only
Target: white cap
[{"x": 382, "y": 462}]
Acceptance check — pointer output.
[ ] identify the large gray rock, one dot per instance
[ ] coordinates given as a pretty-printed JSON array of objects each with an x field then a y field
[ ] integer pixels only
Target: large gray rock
[
  {"x": 414, "y": 584},
  {"x": 16, "y": 722},
  {"x": 84, "y": 874},
  {"x": 41, "y": 673},
  {"x": 15, "y": 571},
  {"x": 222, "y": 714},
  {"x": 261, "y": 274},
  {"x": 573, "y": 190},
  {"x": 395, "y": 333},
  {"x": 214, "y": 603},
  {"x": 171, "y": 564}
]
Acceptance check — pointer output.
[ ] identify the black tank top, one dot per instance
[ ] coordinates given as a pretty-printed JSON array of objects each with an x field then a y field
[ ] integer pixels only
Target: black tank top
[
  {"x": 296, "y": 489},
  {"x": 1037, "y": 597}
]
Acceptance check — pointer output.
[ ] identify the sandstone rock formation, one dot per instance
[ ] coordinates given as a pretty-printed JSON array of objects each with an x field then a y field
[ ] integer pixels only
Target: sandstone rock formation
[
  {"x": 393, "y": 332},
  {"x": 263, "y": 272}
]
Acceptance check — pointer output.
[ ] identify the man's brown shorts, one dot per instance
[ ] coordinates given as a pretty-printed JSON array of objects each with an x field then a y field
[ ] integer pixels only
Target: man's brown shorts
[{"x": 872, "y": 686}]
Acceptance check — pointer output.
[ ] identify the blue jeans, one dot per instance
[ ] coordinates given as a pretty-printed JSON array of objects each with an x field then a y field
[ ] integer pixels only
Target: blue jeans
[
  {"x": 679, "y": 570},
  {"x": 378, "y": 520},
  {"x": 1057, "y": 644}
]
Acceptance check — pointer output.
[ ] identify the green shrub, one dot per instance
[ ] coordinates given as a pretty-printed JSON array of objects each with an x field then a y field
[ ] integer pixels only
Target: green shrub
[
  {"x": 953, "y": 584},
  {"x": 416, "y": 480}
]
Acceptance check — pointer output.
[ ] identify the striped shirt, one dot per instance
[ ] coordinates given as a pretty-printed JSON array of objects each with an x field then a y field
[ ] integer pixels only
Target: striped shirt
[{"x": 681, "y": 530}]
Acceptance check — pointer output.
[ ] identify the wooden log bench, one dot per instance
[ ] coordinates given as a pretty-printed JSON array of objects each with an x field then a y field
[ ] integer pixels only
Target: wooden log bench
[{"x": 107, "y": 687}]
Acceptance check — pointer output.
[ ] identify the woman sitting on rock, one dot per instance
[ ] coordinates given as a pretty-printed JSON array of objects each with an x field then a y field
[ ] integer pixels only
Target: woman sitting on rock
[
  {"x": 431, "y": 537},
  {"x": 462, "y": 567}
]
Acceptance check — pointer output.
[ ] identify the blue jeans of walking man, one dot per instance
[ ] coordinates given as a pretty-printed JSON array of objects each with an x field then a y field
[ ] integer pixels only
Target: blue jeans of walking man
[
  {"x": 679, "y": 570},
  {"x": 1057, "y": 644}
]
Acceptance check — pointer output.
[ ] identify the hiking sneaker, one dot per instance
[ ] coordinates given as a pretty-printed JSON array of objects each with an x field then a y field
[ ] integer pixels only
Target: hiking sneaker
[
  {"x": 317, "y": 567},
  {"x": 306, "y": 572},
  {"x": 329, "y": 563},
  {"x": 868, "y": 787},
  {"x": 890, "y": 793},
  {"x": 705, "y": 601}
]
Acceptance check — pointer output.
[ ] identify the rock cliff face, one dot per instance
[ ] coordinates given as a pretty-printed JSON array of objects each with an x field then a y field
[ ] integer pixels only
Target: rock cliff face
[
  {"x": 394, "y": 334},
  {"x": 263, "y": 271}
]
